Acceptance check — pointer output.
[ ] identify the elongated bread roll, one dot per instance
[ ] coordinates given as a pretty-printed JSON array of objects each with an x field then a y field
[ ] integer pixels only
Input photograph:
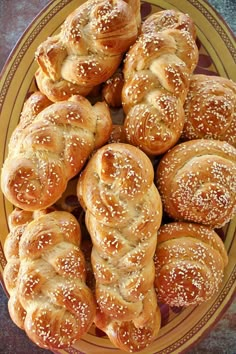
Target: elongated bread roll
[
  {"x": 50, "y": 146},
  {"x": 17, "y": 221},
  {"x": 157, "y": 73},
  {"x": 45, "y": 277},
  {"x": 123, "y": 214},
  {"x": 88, "y": 49}
]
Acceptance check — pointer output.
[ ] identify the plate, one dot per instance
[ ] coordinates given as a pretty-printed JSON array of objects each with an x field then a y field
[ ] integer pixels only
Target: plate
[{"x": 181, "y": 328}]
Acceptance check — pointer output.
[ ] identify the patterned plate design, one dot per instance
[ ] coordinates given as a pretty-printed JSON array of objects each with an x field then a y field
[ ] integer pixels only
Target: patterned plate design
[{"x": 180, "y": 327}]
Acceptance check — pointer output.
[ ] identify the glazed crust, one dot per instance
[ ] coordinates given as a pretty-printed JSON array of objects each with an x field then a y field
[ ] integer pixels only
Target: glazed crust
[
  {"x": 197, "y": 182},
  {"x": 189, "y": 263},
  {"x": 50, "y": 146},
  {"x": 123, "y": 214},
  {"x": 45, "y": 277},
  {"x": 157, "y": 73},
  {"x": 88, "y": 49}
]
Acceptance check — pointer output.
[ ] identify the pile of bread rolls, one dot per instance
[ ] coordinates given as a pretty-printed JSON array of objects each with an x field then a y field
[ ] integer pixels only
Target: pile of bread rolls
[{"x": 104, "y": 53}]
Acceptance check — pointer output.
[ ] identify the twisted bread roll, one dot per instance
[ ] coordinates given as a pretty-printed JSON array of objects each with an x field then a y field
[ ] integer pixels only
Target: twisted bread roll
[
  {"x": 45, "y": 277},
  {"x": 123, "y": 214},
  {"x": 197, "y": 182},
  {"x": 157, "y": 71},
  {"x": 210, "y": 109},
  {"x": 17, "y": 221},
  {"x": 50, "y": 146},
  {"x": 88, "y": 49},
  {"x": 189, "y": 262}
]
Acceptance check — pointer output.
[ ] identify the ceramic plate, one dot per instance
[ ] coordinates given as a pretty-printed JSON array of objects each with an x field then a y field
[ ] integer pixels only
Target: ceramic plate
[{"x": 180, "y": 327}]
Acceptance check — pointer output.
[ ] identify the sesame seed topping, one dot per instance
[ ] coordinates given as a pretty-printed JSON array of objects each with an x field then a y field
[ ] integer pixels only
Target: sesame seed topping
[{"x": 122, "y": 220}]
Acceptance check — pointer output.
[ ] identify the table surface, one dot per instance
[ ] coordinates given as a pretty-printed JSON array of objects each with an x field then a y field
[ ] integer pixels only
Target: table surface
[{"x": 15, "y": 16}]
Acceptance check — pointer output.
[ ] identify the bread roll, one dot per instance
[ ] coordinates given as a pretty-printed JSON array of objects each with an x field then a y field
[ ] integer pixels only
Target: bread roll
[
  {"x": 123, "y": 214},
  {"x": 17, "y": 221},
  {"x": 197, "y": 182},
  {"x": 210, "y": 109},
  {"x": 157, "y": 72},
  {"x": 189, "y": 263},
  {"x": 88, "y": 49},
  {"x": 45, "y": 277},
  {"x": 50, "y": 146}
]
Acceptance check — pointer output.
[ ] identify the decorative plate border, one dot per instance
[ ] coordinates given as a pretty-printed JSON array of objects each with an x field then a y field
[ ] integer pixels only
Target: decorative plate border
[{"x": 212, "y": 20}]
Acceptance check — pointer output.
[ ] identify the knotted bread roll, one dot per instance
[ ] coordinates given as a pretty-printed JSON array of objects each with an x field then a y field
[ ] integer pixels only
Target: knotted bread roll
[
  {"x": 157, "y": 72},
  {"x": 123, "y": 214},
  {"x": 88, "y": 49},
  {"x": 189, "y": 262},
  {"x": 45, "y": 277},
  {"x": 197, "y": 182},
  {"x": 210, "y": 109},
  {"x": 50, "y": 146}
]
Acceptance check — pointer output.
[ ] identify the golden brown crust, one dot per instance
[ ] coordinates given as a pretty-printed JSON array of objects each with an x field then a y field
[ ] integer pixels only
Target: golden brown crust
[
  {"x": 157, "y": 72},
  {"x": 135, "y": 6},
  {"x": 111, "y": 91},
  {"x": 169, "y": 19},
  {"x": 123, "y": 213},
  {"x": 127, "y": 335},
  {"x": 189, "y": 263},
  {"x": 48, "y": 290},
  {"x": 50, "y": 146},
  {"x": 17, "y": 221},
  {"x": 117, "y": 134},
  {"x": 196, "y": 180},
  {"x": 109, "y": 206},
  {"x": 88, "y": 49},
  {"x": 210, "y": 109}
]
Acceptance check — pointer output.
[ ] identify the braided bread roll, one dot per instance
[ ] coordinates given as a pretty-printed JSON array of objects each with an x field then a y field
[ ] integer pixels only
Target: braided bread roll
[
  {"x": 210, "y": 109},
  {"x": 50, "y": 146},
  {"x": 123, "y": 214},
  {"x": 197, "y": 182},
  {"x": 189, "y": 263},
  {"x": 88, "y": 49},
  {"x": 157, "y": 72},
  {"x": 45, "y": 277},
  {"x": 17, "y": 221}
]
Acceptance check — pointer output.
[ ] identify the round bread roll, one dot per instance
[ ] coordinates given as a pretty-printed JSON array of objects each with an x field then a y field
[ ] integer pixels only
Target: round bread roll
[
  {"x": 189, "y": 263},
  {"x": 197, "y": 182},
  {"x": 210, "y": 109}
]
